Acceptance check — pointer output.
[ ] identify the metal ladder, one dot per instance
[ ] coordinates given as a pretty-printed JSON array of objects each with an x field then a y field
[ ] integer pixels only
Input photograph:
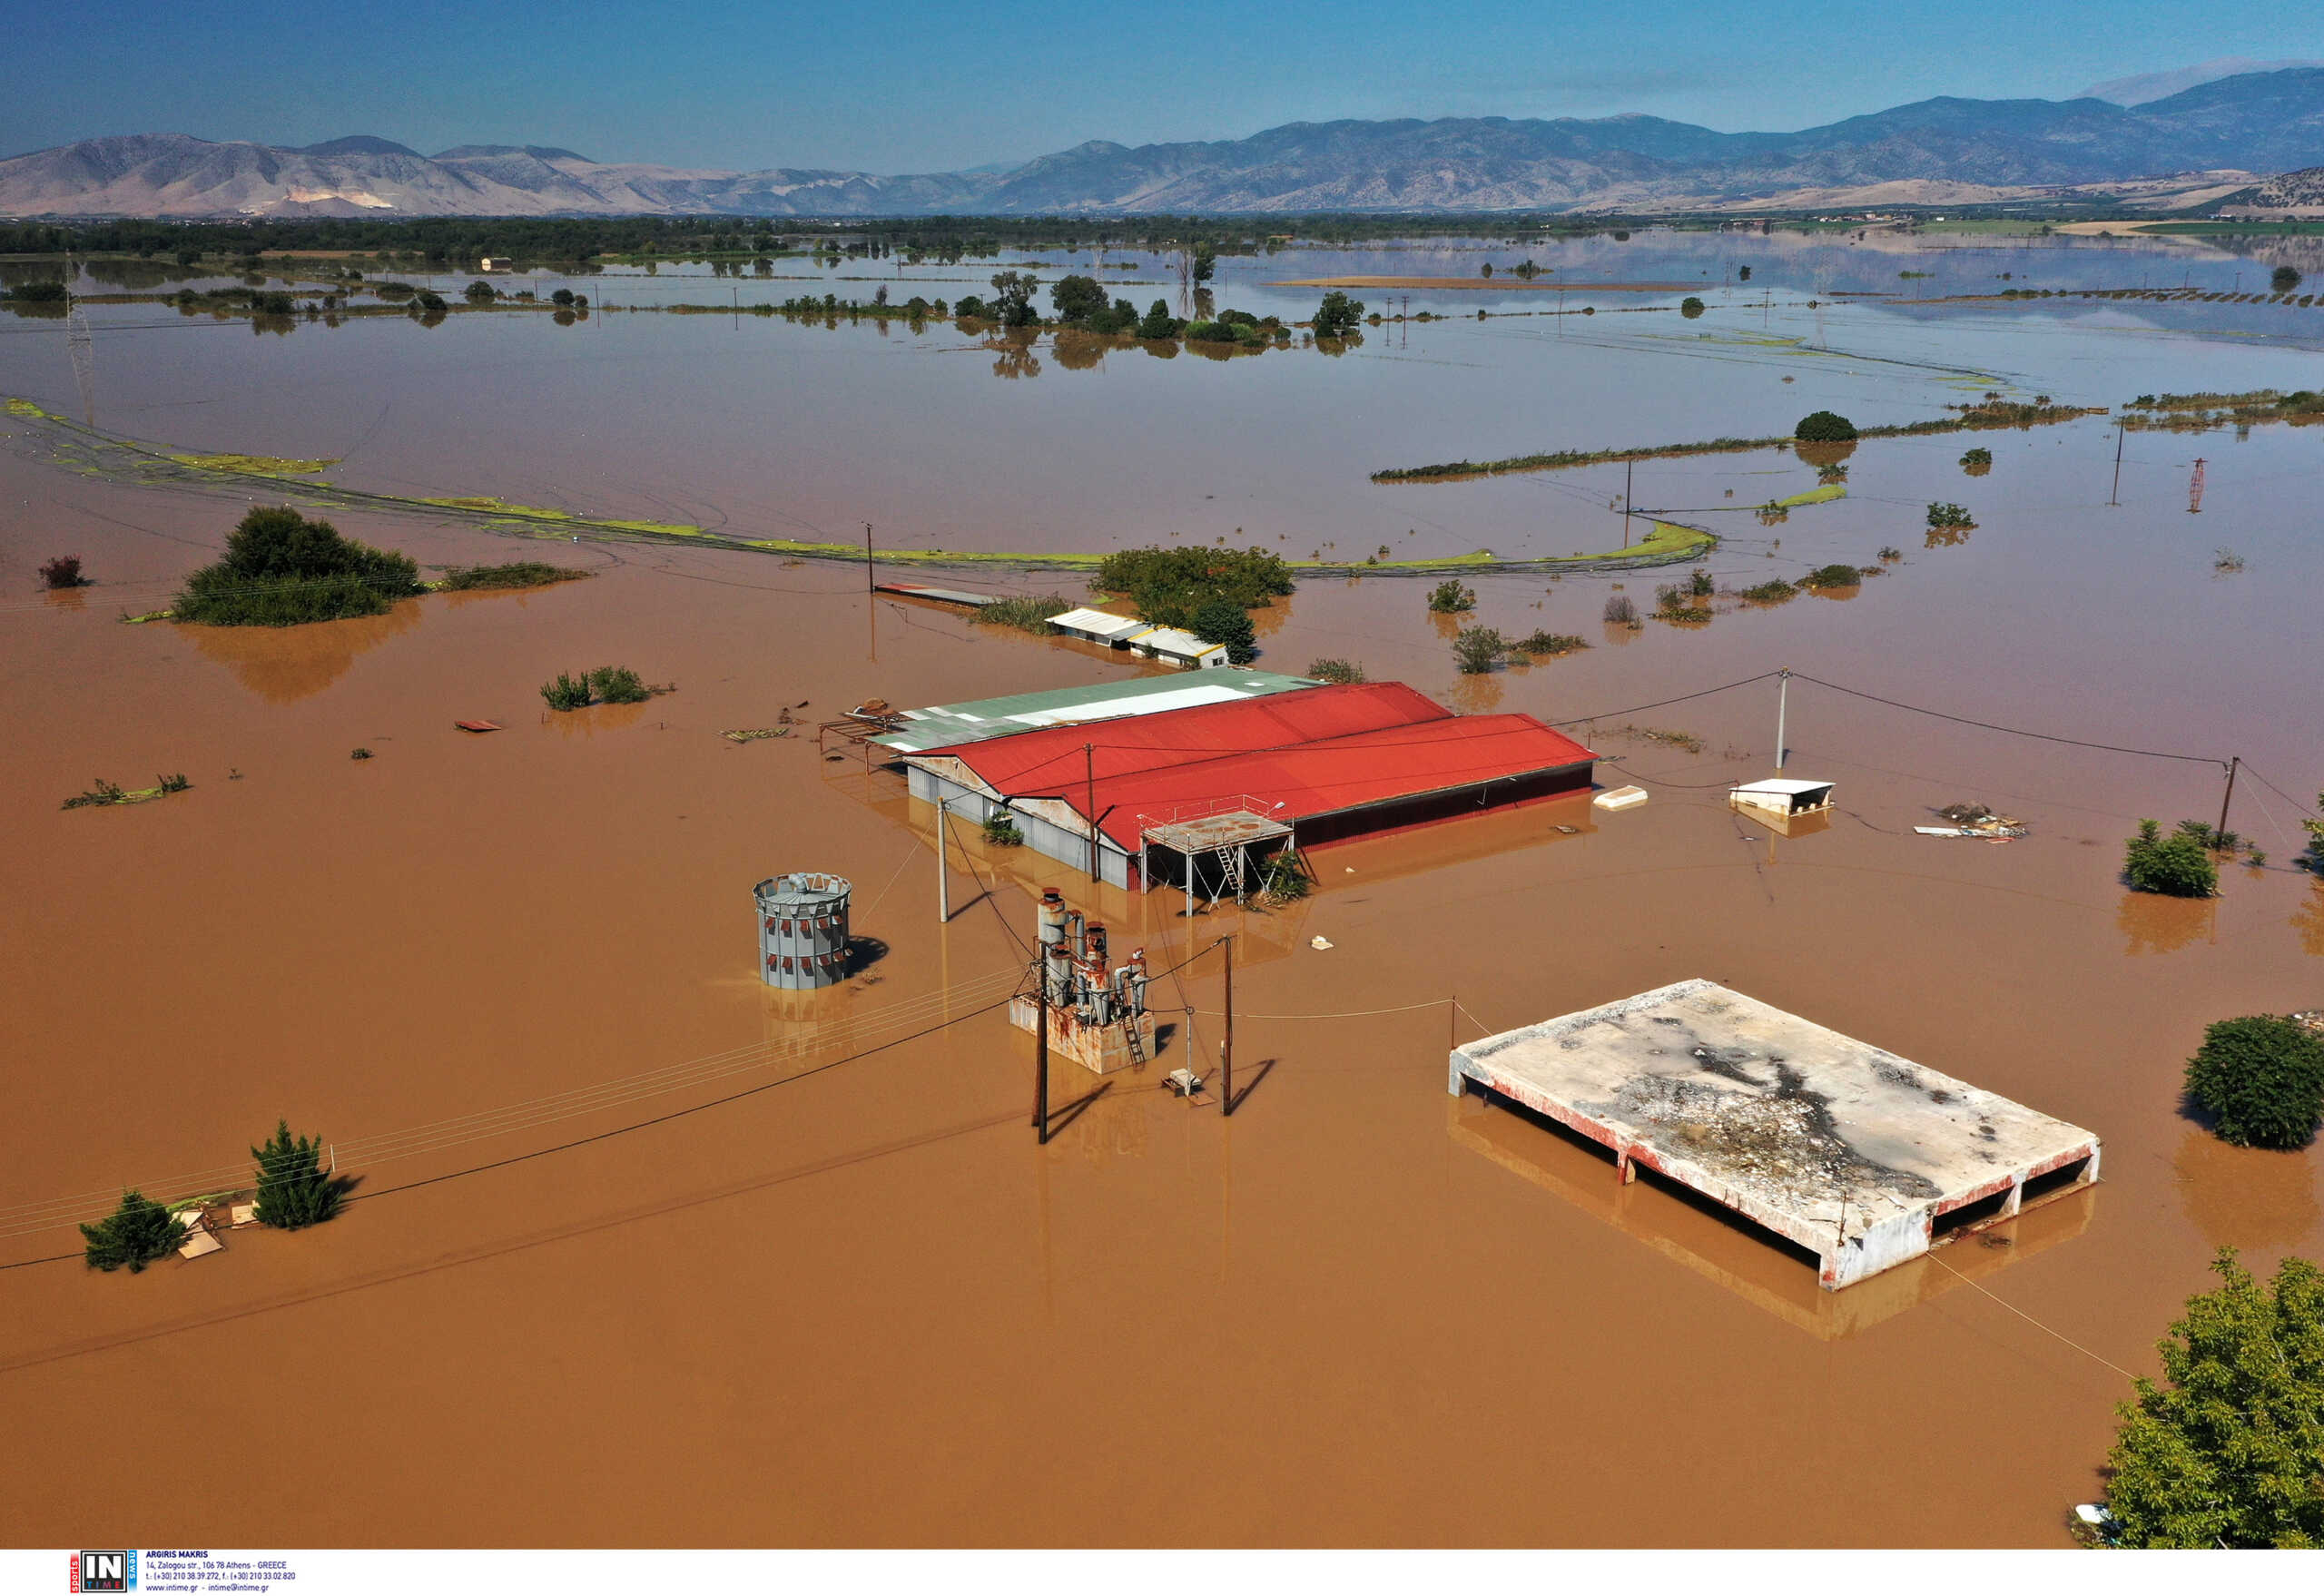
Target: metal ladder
[{"x": 1231, "y": 861}]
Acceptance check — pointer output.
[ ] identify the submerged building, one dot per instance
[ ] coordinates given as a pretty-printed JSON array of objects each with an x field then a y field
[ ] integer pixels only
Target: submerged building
[
  {"x": 1197, "y": 794},
  {"x": 1840, "y": 1150}
]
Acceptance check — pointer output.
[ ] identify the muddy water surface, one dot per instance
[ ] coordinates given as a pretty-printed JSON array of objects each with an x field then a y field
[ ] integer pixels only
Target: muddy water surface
[{"x": 863, "y": 1306}]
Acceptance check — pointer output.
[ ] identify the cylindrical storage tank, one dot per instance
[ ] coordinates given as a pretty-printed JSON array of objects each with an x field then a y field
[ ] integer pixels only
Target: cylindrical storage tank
[{"x": 802, "y": 930}]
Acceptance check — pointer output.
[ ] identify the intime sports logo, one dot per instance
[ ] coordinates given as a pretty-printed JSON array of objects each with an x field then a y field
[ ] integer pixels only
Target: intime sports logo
[{"x": 104, "y": 1570}]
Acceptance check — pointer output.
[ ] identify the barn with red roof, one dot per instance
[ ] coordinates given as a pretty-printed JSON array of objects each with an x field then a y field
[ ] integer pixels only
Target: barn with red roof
[{"x": 1197, "y": 797}]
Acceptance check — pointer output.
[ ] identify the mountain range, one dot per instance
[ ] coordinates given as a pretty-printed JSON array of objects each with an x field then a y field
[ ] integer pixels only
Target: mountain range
[{"x": 1946, "y": 151}]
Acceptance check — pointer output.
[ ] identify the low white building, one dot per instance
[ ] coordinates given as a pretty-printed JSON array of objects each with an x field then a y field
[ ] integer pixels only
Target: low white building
[{"x": 1183, "y": 649}]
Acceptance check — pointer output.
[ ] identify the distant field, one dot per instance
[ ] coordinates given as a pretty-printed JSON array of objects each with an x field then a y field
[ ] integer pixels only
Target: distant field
[{"x": 1500, "y": 283}]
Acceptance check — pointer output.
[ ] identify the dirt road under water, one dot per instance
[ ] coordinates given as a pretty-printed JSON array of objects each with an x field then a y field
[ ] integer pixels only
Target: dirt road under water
[{"x": 863, "y": 1306}]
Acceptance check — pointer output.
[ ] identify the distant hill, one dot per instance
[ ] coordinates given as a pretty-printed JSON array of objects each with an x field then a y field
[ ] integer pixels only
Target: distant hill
[
  {"x": 1955, "y": 150},
  {"x": 2293, "y": 195}
]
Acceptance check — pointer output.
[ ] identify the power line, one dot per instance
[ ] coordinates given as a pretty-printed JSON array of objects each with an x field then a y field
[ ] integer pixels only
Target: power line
[
  {"x": 624, "y": 1129},
  {"x": 2012, "y": 731}
]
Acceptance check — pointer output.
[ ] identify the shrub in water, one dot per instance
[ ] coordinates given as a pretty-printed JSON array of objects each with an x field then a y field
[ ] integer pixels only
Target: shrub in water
[
  {"x": 618, "y": 684},
  {"x": 1477, "y": 649},
  {"x": 135, "y": 1233},
  {"x": 1832, "y": 577},
  {"x": 282, "y": 570},
  {"x": 1336, "y": 670},
  {"x": 2178, "y": 866},
  {"x": 518, "y": 574},
  {"x": 1620, "y": 612},
  {"x": 566, "y": 692},
  {"x": 1824, "y": 426},
  {"x": 1026, "y": 612},
  {"x": 63, "y": 571},
  {"x": 1449, "y": 598},
  {"x": 1549, "y": 644},
  {"x": 1774, "y": 592},
  {"x": 1283, "y": 878},
  {"x": 2261, "y": 1078},
  {"x": 1001, "y": 831},
  {"x": 1948, "y": 516}
]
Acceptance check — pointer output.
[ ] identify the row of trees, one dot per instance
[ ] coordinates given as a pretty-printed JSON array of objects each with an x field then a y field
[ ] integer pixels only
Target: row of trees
[{"x": 294, "y": 1190}]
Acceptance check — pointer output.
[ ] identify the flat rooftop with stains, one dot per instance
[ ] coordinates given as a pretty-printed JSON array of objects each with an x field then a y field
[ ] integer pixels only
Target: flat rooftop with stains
[{"x": 1844, "y": 1150}]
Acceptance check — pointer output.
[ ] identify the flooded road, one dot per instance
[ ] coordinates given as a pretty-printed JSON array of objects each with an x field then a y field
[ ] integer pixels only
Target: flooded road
[{"x": 861, "y": 1306}]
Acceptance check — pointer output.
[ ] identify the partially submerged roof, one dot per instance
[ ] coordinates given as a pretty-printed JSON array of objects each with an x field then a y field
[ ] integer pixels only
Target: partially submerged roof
[
  {"x": 1196, "y": 727},
  {"x": 1099, "y": 622},
  {"x": 949, "y": 724},
  {"x": 1292, "y": 756},
  {"x": 1841, "y": 1147},
  {"x": 1785, "y": 786}
]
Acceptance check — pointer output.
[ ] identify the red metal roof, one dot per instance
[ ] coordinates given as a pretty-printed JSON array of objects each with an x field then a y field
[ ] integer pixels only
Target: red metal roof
[
  {"x": 1330, "y": 774},
  {"x": 1314, "y": 751},
  {"x": 1050, "y": 761}
]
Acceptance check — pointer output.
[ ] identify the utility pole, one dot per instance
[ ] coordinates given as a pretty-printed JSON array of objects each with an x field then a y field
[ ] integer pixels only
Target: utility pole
[
  {"x": 1629, "y": 468},
  {"x": 943, "y": 884},
  {"x": 2115, "y": 497},
  {"x": 1226, "y": 1046},
  {"x": 2229, "y": 796},
  {"x": 1783, "y": 703},
  {"x": 1042, "y": 1055},
  {"x": 1089, "y": 763},
  {"x": 867, "y": 557}
]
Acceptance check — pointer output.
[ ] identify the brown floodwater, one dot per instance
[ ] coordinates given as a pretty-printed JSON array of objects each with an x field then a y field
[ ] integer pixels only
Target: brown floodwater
[{"x": 863, "y": 1306}]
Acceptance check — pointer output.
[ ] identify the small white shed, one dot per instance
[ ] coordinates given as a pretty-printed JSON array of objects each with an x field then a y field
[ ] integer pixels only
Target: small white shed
[{"x": 1782, "y": 795}]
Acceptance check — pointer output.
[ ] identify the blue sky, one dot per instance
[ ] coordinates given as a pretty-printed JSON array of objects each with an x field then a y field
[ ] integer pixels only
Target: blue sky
[{"x": 943, "y": 84}]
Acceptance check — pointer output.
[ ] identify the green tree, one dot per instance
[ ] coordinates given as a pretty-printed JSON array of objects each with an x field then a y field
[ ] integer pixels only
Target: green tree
[
  {"x": 2227, "y": 1449},
  {"x": 1477, "y": 649},
  {"x": 1448, "y": 597},
  {"x": 1076, "y": 299},
  {"x": 2283, "y": 280},
  {"x": 1205, "y": 263},
  {"x": 1158, "y": 322},
  {"x": 2261, "y": 1078},
  {"x": 1337, "y": 316},
  {"x": 480, "y": 292},
  {"x": 135, "y": 1233},
  {"x": 2177, "y": 866},
  {"x": 282, "y": 570},
  {"x": 1012, "y": 297},
  {"x": 1219, "y": 619},
  {"x": 1824, "y": 426},
  {"x": 1690, "y": 306},
  {"x": 293, "y": 1189}
]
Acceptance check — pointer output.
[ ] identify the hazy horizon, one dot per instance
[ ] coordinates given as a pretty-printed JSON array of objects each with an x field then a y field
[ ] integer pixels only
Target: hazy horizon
[{"x": 731, "y": 87}]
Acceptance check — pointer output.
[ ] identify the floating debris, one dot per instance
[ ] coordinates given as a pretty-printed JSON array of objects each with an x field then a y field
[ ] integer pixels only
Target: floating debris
[
  {"x": 1620, "y": 798},
  {"x": 755, "y": 734},
  {"x": 477, "y": 726},
  {"x": 1321, "y": 944},
  {"x": 1974, "y": 820}
]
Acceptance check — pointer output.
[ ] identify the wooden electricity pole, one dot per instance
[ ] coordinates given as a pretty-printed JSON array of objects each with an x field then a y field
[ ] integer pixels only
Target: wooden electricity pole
[
  {"x": 1041, "y": 1053},
  {"x": 1226, "y": 1046},
  {"x": 1089, "y": 771},
  {"x": 868, "y": 586},
  {"x": 2229, "y": 796}
]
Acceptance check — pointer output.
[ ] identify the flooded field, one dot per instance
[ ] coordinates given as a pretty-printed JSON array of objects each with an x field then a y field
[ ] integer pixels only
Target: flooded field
[{"x": 860, "y": 1305}]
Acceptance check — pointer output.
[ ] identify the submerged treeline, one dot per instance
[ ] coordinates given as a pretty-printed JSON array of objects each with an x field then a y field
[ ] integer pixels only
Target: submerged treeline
[{"x": 1984, "y": 414}]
